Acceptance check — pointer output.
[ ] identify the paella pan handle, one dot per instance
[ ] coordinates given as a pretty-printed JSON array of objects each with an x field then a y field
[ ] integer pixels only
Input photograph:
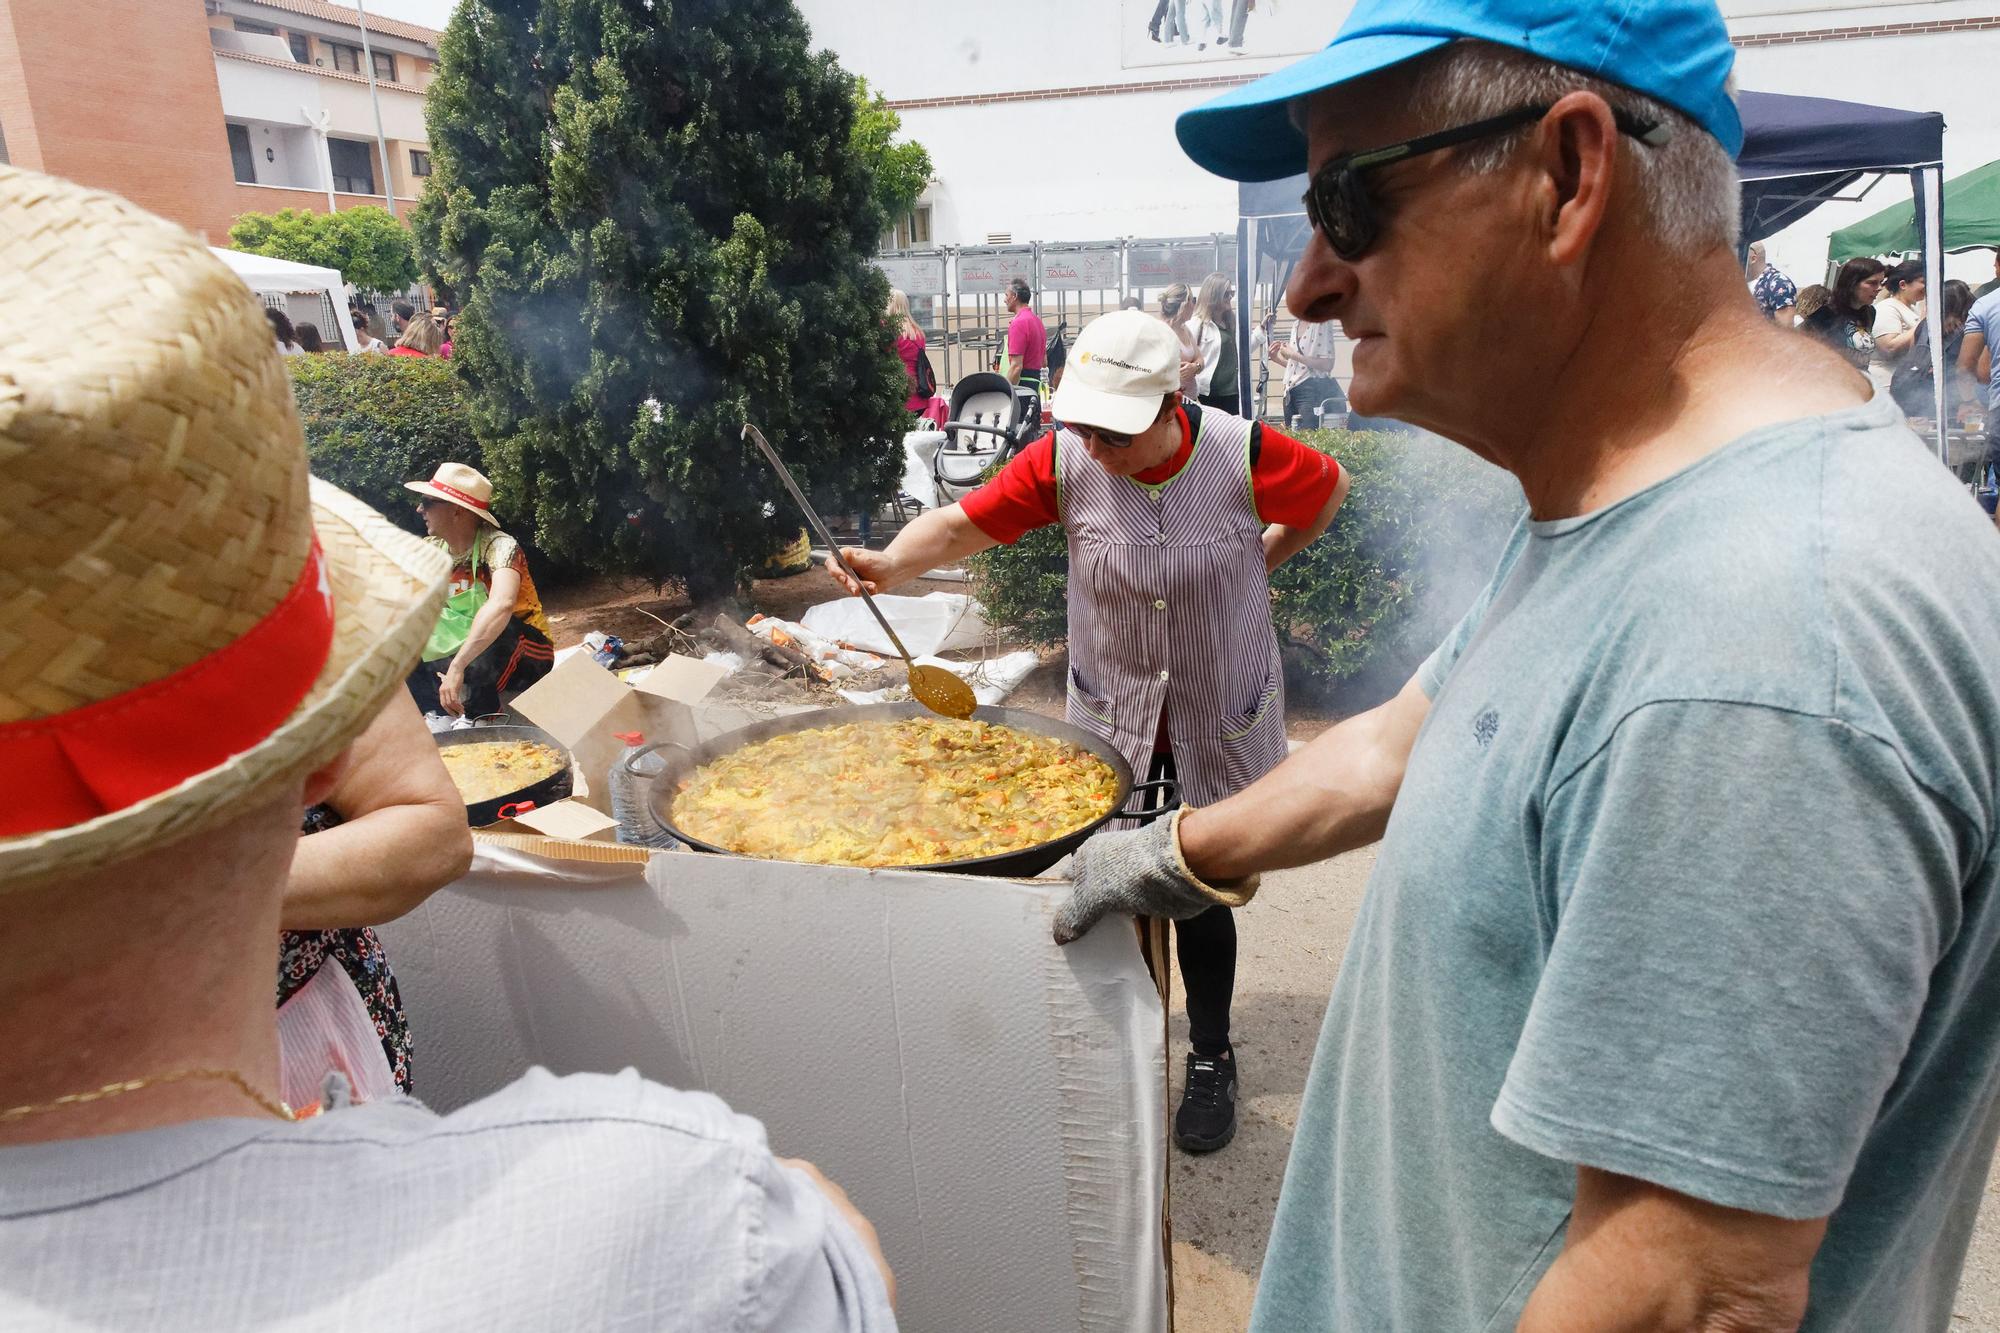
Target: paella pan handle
[
  {"x": 512, "y": 808},
  {"x": 630, "y": 762},
  {"x": 1170, "y": 796},
  {"x": 491, "y": 720}
]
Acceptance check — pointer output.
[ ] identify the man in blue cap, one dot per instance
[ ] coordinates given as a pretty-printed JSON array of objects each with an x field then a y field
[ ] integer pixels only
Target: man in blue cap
[{"x": 1671, "y": 1004}]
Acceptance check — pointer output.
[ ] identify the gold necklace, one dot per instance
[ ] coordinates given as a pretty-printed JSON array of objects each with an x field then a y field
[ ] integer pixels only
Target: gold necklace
[{"x": 279, "y": 1109}]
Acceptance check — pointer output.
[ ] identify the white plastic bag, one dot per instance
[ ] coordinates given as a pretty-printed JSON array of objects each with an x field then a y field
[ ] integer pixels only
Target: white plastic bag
[
  {"x": 325, "y": 1027},
  {"x": 937, "y": 622}
]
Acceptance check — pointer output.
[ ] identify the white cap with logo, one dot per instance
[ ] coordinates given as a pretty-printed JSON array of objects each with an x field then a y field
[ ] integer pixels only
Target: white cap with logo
[{"x": 1123, "y": 364}]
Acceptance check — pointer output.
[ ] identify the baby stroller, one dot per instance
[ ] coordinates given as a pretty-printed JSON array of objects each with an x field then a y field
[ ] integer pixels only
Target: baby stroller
[{"x": 991, "y": 421}]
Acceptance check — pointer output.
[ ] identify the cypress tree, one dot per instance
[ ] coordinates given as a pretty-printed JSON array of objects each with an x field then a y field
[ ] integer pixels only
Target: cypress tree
[{"x": 658, "y": 227}]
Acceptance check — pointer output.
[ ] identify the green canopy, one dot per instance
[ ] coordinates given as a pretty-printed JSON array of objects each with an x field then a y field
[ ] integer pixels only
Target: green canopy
[{"x": 1971, "y": 219}]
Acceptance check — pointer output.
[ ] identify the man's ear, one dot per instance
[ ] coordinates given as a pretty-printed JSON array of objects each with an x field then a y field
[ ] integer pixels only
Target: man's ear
[{"x": 1575, "y": 148}]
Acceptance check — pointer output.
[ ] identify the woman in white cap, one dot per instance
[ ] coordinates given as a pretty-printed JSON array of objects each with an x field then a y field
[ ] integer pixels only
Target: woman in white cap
[
  {"x": 1175, "y": 515},
  {"x": 492, "y": 634}
]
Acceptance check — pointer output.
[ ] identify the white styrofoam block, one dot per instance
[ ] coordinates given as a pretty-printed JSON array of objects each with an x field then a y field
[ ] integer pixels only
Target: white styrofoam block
[{"x": 994, "y": 1104}]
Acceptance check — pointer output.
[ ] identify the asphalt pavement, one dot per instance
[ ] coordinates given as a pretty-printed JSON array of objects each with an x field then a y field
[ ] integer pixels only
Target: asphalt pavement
[{"x": 1290, "y": 940}]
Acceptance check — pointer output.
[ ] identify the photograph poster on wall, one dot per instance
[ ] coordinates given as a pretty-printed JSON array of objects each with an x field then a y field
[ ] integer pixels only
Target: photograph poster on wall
[{"x": 1208, "y": 32}]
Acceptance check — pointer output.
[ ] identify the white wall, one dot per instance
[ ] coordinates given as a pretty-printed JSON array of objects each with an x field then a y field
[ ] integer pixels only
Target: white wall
[
  {"x": 1092, "y": 168},
  {"x": 402, "y": 112},
  {"x": 1073, "y": 170},
  {"x": 266, "y": 92},
  {"x": 947, "y": 48}
]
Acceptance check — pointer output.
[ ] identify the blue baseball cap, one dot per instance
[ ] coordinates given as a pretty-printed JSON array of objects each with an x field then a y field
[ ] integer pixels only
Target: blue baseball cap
[{"x": 1676, "y": 51}]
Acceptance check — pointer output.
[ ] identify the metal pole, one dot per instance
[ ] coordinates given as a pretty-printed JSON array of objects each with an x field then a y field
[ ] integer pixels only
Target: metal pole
[
  {"x": 382, "y": 143},
  {"x": 1244, "y": 296},
  {"x": 1930, "y": 207}
]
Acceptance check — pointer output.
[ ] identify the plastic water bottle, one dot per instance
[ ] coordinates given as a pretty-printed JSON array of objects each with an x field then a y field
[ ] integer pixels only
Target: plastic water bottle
[{"x": 629, "y": 806}]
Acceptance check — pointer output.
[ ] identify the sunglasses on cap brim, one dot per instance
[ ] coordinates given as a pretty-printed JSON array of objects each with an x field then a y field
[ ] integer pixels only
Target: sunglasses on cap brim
[{"x": 1341, "y": 209}]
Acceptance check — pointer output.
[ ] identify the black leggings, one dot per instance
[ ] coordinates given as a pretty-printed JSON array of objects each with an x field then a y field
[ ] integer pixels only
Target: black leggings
[
  {"x": 1206, "y": 947},
  {"x": 517, "y": 659}
]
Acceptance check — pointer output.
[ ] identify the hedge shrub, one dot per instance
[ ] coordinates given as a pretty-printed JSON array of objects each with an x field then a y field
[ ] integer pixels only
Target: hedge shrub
[
  {"x": 1412, "y": 547},
  {"x": 375, "y": 422},
  {"x": 1417, "y": 539}
]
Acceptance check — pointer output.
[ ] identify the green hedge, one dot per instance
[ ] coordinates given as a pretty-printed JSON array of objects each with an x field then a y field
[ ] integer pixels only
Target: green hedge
[
  {"x": 375, "y": 422},
  {"x": 1423, "y": 524}
]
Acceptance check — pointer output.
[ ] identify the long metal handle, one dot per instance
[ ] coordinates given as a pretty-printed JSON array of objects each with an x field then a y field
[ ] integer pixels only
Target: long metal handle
[{"x": 833, "y": 549}]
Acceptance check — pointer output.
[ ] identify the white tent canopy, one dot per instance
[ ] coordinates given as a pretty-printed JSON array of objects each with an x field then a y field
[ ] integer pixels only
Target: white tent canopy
[{"x": 278, "y": 281}]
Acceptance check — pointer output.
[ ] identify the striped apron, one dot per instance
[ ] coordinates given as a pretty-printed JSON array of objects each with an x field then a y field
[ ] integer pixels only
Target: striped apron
[{"x": 1170, "y": 613}]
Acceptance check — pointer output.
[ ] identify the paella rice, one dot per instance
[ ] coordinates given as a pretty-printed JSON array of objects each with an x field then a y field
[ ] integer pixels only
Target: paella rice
[
  {"x": 918, "y": 791},
  {"x": 483, "y": 770}
]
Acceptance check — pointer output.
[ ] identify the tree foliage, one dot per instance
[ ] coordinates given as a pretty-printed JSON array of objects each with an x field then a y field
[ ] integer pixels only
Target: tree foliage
[
  {"x": 371, "y": 249},
  {"x": 902, "y": 170},
  {"x": 1416, "y": 540},
  {"x": 375, "y": 422},
  {"x": 656, "y": 222}
]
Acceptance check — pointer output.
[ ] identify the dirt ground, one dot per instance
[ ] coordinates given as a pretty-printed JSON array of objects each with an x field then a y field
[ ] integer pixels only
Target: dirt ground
[{"x": 1290, "y": 944}]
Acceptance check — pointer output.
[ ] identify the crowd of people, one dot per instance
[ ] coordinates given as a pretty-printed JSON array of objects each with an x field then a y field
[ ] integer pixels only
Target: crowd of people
[
  {"x": 418, "y": 333},
  {"x": 1668, "y": 1005},
  {"x": 1874, "y": 316}
]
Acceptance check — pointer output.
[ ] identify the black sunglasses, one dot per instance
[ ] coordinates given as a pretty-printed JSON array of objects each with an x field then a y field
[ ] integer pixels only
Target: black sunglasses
[
  {"x": 1109, "y": 438},
  {"x": 1338, "y": 203}
]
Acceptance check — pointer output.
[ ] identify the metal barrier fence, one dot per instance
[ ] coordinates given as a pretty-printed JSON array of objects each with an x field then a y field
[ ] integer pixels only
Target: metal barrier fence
[{"x": 955, "y": 291}]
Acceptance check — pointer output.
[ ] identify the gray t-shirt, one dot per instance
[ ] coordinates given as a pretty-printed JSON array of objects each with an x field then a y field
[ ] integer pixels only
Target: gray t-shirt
[
  {"x": 589, "y": 1202},
  {"x": 1691, "y": 878},
  {"x": 1984, "y": 320}
]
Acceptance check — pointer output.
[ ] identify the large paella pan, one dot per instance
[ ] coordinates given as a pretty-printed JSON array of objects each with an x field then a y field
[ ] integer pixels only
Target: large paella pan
[{"x": 682, "y": 766}]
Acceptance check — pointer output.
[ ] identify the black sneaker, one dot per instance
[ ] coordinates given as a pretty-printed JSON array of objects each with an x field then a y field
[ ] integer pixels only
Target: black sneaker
[{"x": 1207, "y": 1118}]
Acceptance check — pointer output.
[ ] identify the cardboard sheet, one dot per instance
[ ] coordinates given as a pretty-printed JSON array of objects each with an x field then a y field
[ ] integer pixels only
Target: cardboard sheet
[{"x": 994, "y": 1104}]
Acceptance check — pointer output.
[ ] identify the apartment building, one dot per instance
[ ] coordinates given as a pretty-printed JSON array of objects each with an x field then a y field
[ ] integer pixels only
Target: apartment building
[{"x": 205, "y": 109}]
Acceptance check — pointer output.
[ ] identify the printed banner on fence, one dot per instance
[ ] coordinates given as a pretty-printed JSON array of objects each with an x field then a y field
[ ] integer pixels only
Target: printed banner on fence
[
  {"x": 915, "y": 275},
  {"x": 1084, "y": 270},
  {"x": 989, "y": 271}
]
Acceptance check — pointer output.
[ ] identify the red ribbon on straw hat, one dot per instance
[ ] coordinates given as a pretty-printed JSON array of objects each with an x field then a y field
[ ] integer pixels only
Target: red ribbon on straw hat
[
  {"x": 457, "y": 494},
  {"x": 105, "y": 756}
]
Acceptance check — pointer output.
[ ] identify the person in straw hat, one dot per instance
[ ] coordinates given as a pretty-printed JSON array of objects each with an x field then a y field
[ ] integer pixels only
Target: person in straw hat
[
  {"x": 492, "y": 634},
  {"x": 197, "y": 631},
  {"x": 1175, "y": 515}
]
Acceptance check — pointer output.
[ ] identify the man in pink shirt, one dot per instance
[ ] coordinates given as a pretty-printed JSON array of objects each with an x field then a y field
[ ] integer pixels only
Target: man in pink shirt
[{"x": 1027, "y": 340}]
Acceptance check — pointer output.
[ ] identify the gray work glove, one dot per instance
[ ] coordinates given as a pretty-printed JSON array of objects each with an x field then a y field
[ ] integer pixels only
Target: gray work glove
[{"x": 1141, "y": 872}]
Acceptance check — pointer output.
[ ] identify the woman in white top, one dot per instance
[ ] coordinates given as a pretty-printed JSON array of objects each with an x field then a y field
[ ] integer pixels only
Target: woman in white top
[
  {"x": 1215, "y": 334},
  {"x": 1897, "y": 316},
  {"x": 364, "y": 341},
  {"x": 281, "y": 329},
  {"x": 1177, "y": 309}
]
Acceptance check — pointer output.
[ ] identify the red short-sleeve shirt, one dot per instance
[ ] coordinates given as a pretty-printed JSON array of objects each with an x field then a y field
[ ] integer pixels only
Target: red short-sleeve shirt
[{"x": 1289, "y": 483}]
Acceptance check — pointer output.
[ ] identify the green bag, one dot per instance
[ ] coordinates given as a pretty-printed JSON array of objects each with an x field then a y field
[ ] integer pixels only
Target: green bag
[{"x": 454, "y": 623}]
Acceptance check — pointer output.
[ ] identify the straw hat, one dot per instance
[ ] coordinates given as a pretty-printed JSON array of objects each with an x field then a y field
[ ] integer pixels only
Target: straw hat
[
  {"x": 175, "y": 639},
  {"x": 455, "y": 483}
]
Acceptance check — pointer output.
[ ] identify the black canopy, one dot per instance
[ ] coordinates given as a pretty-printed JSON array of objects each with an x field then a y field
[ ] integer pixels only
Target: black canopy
[{"x": 1800, "y": 151}]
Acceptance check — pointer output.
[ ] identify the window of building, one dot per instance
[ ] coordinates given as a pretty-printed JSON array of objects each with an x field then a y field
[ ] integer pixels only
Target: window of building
[
  {"x": 353, "y": 165},
  {"x": 385, "y": 66},
  {"x": 241, "y": 158},
  {"x": 301, "y": 48},
  {"x": 910, "y": 231},
  {"x": 260, "y": 29},
  {"x": 420, "y": 162},
  {"x": 344, "y": 58}
]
